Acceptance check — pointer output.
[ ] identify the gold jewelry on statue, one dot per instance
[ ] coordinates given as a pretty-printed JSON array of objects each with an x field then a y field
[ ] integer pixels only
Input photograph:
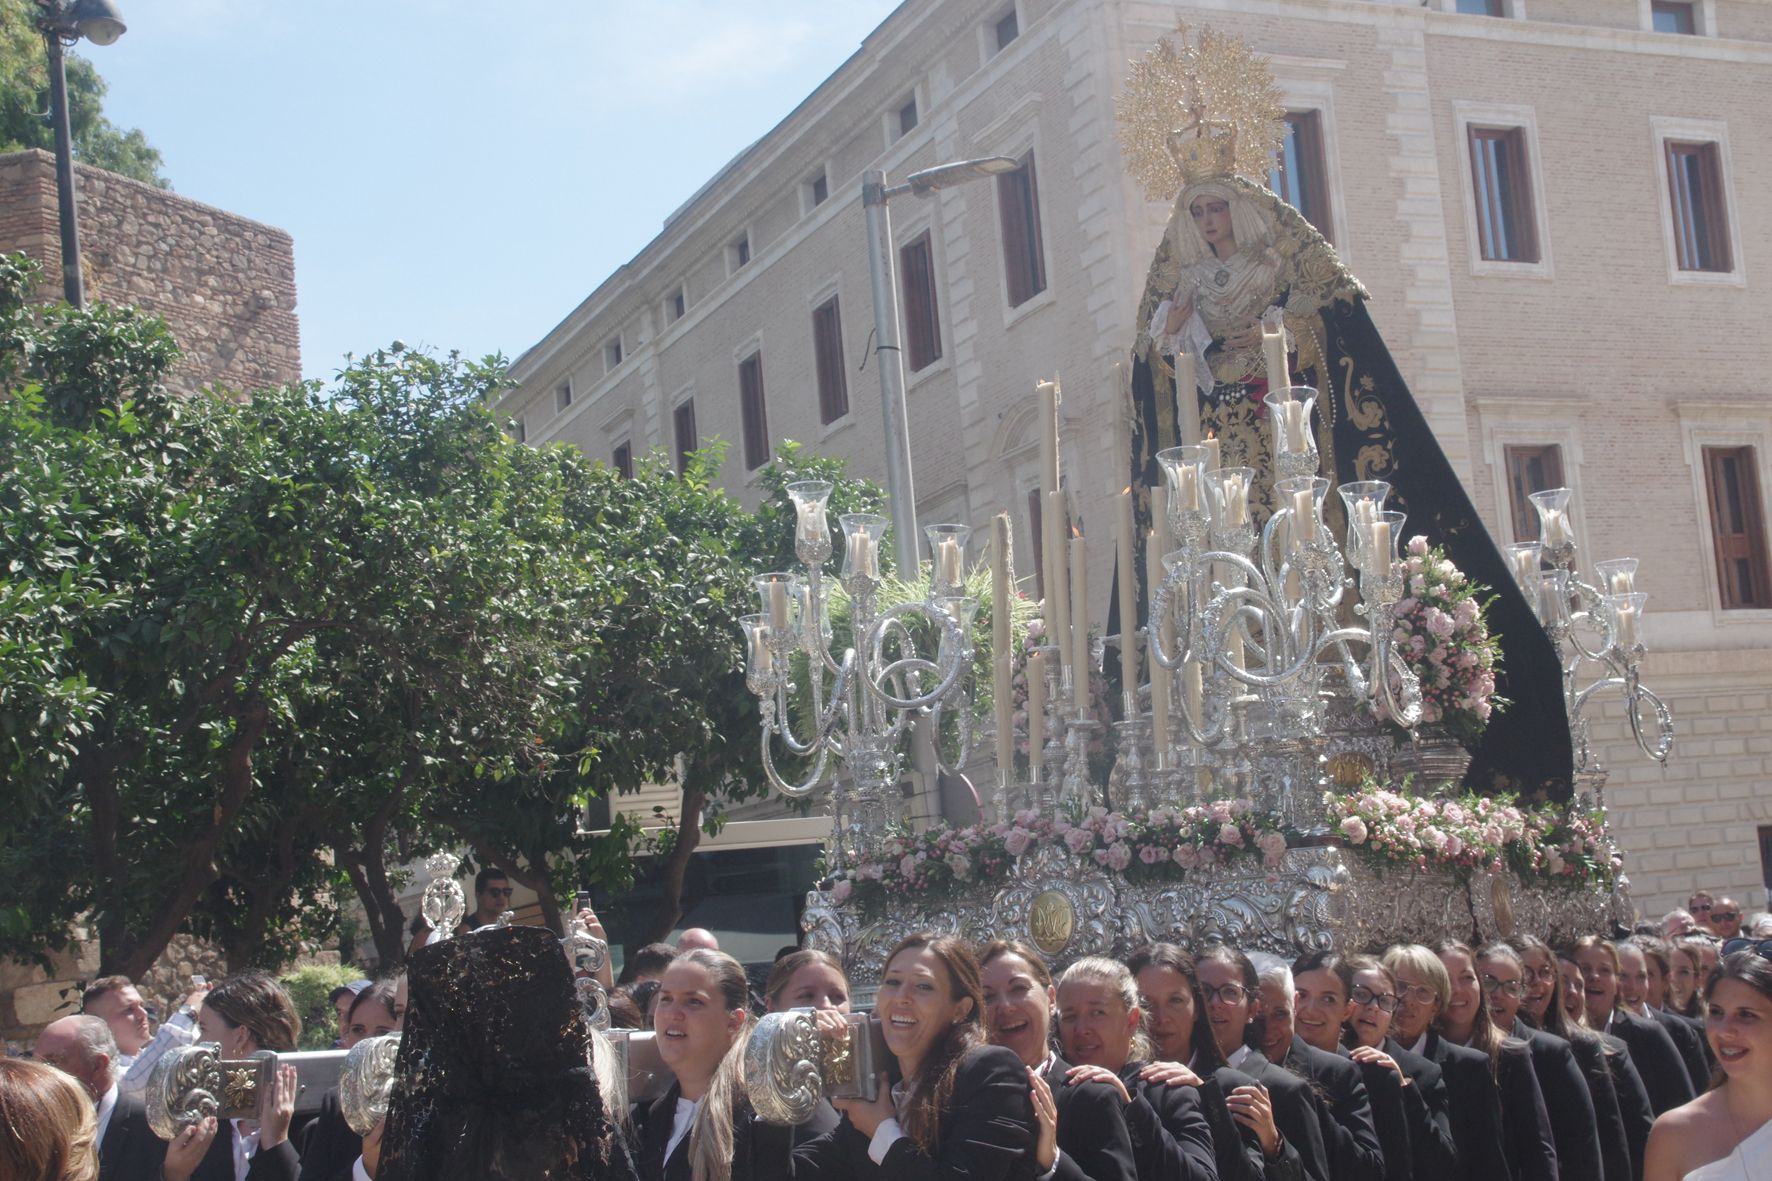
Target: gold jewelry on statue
[{"x": 1196, "y": 109}]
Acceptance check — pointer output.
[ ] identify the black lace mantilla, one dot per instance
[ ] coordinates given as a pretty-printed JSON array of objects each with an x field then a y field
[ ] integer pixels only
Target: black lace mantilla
[{"x": 493, "y": 1075}]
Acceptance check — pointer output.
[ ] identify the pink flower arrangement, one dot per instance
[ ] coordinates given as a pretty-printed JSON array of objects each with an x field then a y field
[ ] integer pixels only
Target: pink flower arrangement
[
  {"x": 1555, "y": 842},
  {"x": 1442, "y": 632}
]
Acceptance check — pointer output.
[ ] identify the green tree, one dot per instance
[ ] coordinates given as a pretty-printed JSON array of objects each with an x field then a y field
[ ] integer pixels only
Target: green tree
[{"x": 24, "y": 101}]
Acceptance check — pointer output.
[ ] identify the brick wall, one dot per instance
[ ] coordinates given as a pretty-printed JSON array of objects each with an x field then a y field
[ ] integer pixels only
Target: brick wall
[{"x": 223, "y": 283}]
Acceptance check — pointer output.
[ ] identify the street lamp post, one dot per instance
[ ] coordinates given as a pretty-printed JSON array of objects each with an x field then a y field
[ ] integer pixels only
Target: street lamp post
[
  {"x": 874, "y": 197},
  {"x": 64, "y": 23}
]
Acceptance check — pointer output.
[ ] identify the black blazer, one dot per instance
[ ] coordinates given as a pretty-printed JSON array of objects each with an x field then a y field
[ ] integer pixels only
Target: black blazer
[
  {"x": 1574, "y": 1119},
  {"x": 1353, "y": 1140},
  {"x": 1531, "y": 1146},
  {"x": 1473, "y": 1106},
  {"x": 1432, "y": 1154},
  {"x": 652, "y": 1132},
  {"x": 1690, "y": 1043},
  {"x": 1615, "y": 1158},
  {"x": 1171, "y": 1136},
  {"x": 130, "y": 1151},
  {"x": 1657, "y": 1060},
  {"x": 1237, "y": 1146},
  {"x": 1295, "y": 1113},
  {"x": 331, "y": 1148},
  {"x": 1094, "y": 1143},
  {"x": 278, "y": 1163},
  {"x": 1634, "y": 1104},
  {"x": 771, "y": 1146},
  {"x": 986, "y": 1135}
]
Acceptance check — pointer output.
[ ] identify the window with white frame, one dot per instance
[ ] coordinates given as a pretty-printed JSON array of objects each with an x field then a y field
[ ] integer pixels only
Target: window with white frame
[
  {"x": 815, "y": 190},
  {"x": 1507, "y": 230},
  {"x": 738, "y": 253},
  {"x": 1699, "y": 221},
  {"x": 562, "y": 396},
  {"x": 1006, "y": 28},
  {"x": 677, "y": 304},
  {"x": 612, "y": 354},
  {"x": 1301, "y": 170},
  {"x": 1681, "y": 18},
  {"x": 1530, "y": 444},
  {"x": 1728, "y": 452}
]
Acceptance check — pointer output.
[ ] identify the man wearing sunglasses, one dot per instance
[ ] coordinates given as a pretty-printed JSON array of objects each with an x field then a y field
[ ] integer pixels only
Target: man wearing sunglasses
[
  {"x": 1725, "y": 918},
  {"x": 492, "y": 897}
]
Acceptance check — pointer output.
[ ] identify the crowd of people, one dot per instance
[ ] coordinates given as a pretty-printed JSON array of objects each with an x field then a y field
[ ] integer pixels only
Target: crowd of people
[{"x": 1633, "y": 1056}]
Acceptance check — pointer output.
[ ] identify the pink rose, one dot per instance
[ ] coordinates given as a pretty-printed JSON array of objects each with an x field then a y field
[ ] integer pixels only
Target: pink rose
[
  {"x": 1119, "y": 856},
  {"x": 1219, "y": 812},
  {"x": 1017, "y": 841},
  {"x": 960, "y": 864},
  {"x": 1079, "y": 839},
  {"x": 1273, "y": 847},
  {"x": 1354, "y": 829},
  {"x": 1230, "y": 834},
  {"x": 907, "y": 866},
  {"x": 1418, "y": 544},
  {"x": 1186, "y": 856},
  {"x": 1151, "y": 854}
]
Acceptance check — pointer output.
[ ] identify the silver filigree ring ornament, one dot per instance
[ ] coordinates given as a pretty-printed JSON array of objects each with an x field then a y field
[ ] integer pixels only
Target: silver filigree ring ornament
[
  {"x": 183, "y": 1089},
  {"x": 443, "y": 904},
  {"x": 366, "y": 1082},
  {"x": 595, "y": 999},
  {"x": 781, "y": 1067}
]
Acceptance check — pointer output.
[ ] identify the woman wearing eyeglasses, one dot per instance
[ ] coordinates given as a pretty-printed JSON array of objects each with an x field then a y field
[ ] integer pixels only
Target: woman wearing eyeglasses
[
  {"x": 1324, "y": 984},
  {"x": 1231, "y": 990},
  {"x": 1432, "y": 1153},
  {"x": 1726, "y": 1133},
  {"x": 1567, "y": 1100},
  {"x": 1246, "y": 1141}
]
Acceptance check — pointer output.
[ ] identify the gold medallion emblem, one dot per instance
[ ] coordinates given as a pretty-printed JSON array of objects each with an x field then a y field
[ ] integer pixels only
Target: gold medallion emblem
[
  {"x": 1349, "y": 769},
  {"x": 1051, "y": 920}
]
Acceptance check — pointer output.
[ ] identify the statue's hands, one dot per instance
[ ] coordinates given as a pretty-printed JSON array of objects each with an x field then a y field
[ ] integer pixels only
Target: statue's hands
[
  {"x": 1179, "y": 314},
  {"x": 1247, "y": 337}
]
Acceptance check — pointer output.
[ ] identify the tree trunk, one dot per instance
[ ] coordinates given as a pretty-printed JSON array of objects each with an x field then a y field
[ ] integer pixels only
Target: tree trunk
[
  {"x": 367, "y": 868},
  {"x": 674, "y": 868}
]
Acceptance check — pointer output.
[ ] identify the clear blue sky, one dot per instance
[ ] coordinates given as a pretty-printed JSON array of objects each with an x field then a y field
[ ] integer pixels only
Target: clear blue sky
[{"x": 460, "y": 175}]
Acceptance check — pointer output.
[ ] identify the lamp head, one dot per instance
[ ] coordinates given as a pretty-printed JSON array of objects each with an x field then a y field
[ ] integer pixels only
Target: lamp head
[{"x": 98, "y": 21}]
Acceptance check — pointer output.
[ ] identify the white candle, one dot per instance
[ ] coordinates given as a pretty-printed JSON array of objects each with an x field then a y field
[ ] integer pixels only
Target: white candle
[
  {"x": 1079, "y": 608},
  {"x": 1193, "y": 690},
  {"x": 1049, "y": 398},
  {"x": 1626, "y": 632},
  {"x": 811, "y": 526},
  {"x": 1058, "y": 591},
  {"x": 1623, "y": 582},
  {"x": 1002, "y": 607},
  {"x": 1128, "y": 597},
  {"x": 778, "y": 606},
  {"x": 1160, "y": 676},
  {"x": 1187, "y": 398},
  {"x": 1036, "y": 673},
  {"x": 765, "y": 659},
  {"x": 1295, "y": 424},
  {"x": 1556, "y": 529},
  {"x": 1304, "y": 518},
  {"x": 948, "y": 562},
  {"x": 1187, "y": 488},
  {"x": 1381, "y": 548},
  {"x": 1236, "y": 502},
  {"x": 1213, "y": 461},
  {"x": 1525, "y": 568},
  {"x": 867, "y": 560},
  {"x": 1273, "y": 353}
]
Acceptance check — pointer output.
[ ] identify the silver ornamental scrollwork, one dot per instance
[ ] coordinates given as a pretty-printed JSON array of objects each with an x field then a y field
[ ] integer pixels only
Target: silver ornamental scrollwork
[
  {"x": 183, "y": 1089},
  {"x": 443, "y": 904},
  {"x": 781, "y": 1068},
  {"x": 366, "y": 1082}
]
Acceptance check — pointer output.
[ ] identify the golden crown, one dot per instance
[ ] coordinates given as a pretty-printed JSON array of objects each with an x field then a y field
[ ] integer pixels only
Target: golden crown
[{"x": 1197, "y": 108}]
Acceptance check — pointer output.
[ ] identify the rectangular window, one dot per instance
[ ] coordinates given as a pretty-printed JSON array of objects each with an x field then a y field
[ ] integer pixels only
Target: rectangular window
[
  {"x": 623, "y": 460},
  {"x": 1701, "y": 220},
  {"x": 827, "y": 353},
  {"x": 751, "y": 412},
  {"x": 1008, "y": 29},
  {"x": 1480, "y": 7},
  {"x": 1507, "y": 230},
  {"x": 1666, "y": 16},
  {"x": 612, "y": 355},
  {"x": 1530, "y": 469},
  {"x": 1301, "y": 172},
  {"x": 738, "y": 253},
  {"x": 683, "y": 427},
  {"x": 907, "y": 116},
  {"x": 821, "y": 189},
  {"x": 562, "y": 395},
  {"x": 677, "y": 305},
  {"x": 1024, "y": 262},
  {"x": 922, "y": 323},
  {"x": 1738, "y": 526}
]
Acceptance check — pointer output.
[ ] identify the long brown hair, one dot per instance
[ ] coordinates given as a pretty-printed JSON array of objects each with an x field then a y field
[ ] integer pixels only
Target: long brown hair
[
  {"x": 1178, "y": 960},
  {"x": 1037, "y": 968},
  {"x": 1485, "y": 1034},
  {"x": 258, "y": 1002},
  {"x": 48, "y": 1129},
  {"x": 932, "y": 1091}
]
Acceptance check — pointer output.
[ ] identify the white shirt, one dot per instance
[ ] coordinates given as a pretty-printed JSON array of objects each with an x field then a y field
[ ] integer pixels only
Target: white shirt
[
  {"x": 358, "y": 1172},
  {"x": 681, "y": 1122},
  {"x": 1420, "y": 1046},
  {"x": 178, "y": 1030},
  {"x": 245, "y": 1146},
  {"x": 107, "y": 1103},
  {"x": 890, "y": 1130},
  {"x": 1237, "y": 1057}
]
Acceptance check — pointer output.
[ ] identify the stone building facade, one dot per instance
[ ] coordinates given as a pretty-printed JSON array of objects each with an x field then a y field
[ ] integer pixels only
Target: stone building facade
[
  {"x": 1613, "y": 344},
  {"x": 223, "y": 283}
]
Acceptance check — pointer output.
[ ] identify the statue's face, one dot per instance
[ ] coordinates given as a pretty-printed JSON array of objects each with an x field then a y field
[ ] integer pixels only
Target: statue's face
[{"x": 1212, "y": 217}]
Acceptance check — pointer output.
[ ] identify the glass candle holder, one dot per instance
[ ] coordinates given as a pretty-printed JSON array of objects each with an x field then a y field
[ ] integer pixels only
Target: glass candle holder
[
  {"x": 1618, "y": 576},
  {"x": 1525, "y": 559},
  {"x": 1555, "y": 531},
  {"x": 812, "y": 531},
  {"x": 1184, "y": 470},
  {"x": 947, "y": 549},
  {"x": 1302, "y": 496},
  {"x": 861, "y": 545},
  {"x": 1229, "y": 489},
  {"x": 1290, "y": 408},
  {"x": 1626, "y": 614},
  {"x": 1364, "y": 500},
  {"x": 780, "y": 596},
  {"x": 759, "y": 661}
]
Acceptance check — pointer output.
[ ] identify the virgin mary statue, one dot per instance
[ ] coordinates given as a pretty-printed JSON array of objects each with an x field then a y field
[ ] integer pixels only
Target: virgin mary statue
[{"x": 1235, "y": 259}]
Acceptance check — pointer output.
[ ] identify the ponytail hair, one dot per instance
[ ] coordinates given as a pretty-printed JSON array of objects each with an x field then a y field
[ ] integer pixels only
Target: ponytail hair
[
  {"x": 1096, "y": 969},
  {"x": 710, "y": 1136}
]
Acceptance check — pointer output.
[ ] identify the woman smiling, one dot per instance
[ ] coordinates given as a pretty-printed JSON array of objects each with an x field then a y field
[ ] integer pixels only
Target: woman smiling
[{"x": 961, "y": 1108}]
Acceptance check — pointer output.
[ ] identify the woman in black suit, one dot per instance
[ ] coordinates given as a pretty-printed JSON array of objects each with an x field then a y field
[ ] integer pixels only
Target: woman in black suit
[
  {"x": 699, "y": 1129},
  {"x": 962, "y": 1108},
  {"x": 1245, "y": 1139},
  {"x": 1432, "y": 1153},
  {"x": 1651, "y": 1049},
  {"x": 1644, "y": 992},
  {"x": 1323, "y": 983},
  {"x": 804, "y": 979},
  {"x": 1083, "y": 1134}
]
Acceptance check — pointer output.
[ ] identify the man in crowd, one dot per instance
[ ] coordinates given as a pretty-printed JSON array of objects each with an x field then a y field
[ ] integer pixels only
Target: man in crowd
[
  {"x": 116, "y": 1002},
  {"x": 1677, "y": 922},
  {"x": 492, "y": 897},
  {"x": 697, "y": 937},
  {"x": 1725, "y": 918},
  {"x": 1700, "y": 906},
  {"x": 84, "y": 1047}
]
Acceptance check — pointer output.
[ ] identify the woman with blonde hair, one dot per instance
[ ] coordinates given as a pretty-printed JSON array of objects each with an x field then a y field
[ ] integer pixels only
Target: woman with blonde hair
[
  {"x": 48, "y": 1131},
  {"x": 960, "y": 1108},
  {"x": 699, "y": 1129}
]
